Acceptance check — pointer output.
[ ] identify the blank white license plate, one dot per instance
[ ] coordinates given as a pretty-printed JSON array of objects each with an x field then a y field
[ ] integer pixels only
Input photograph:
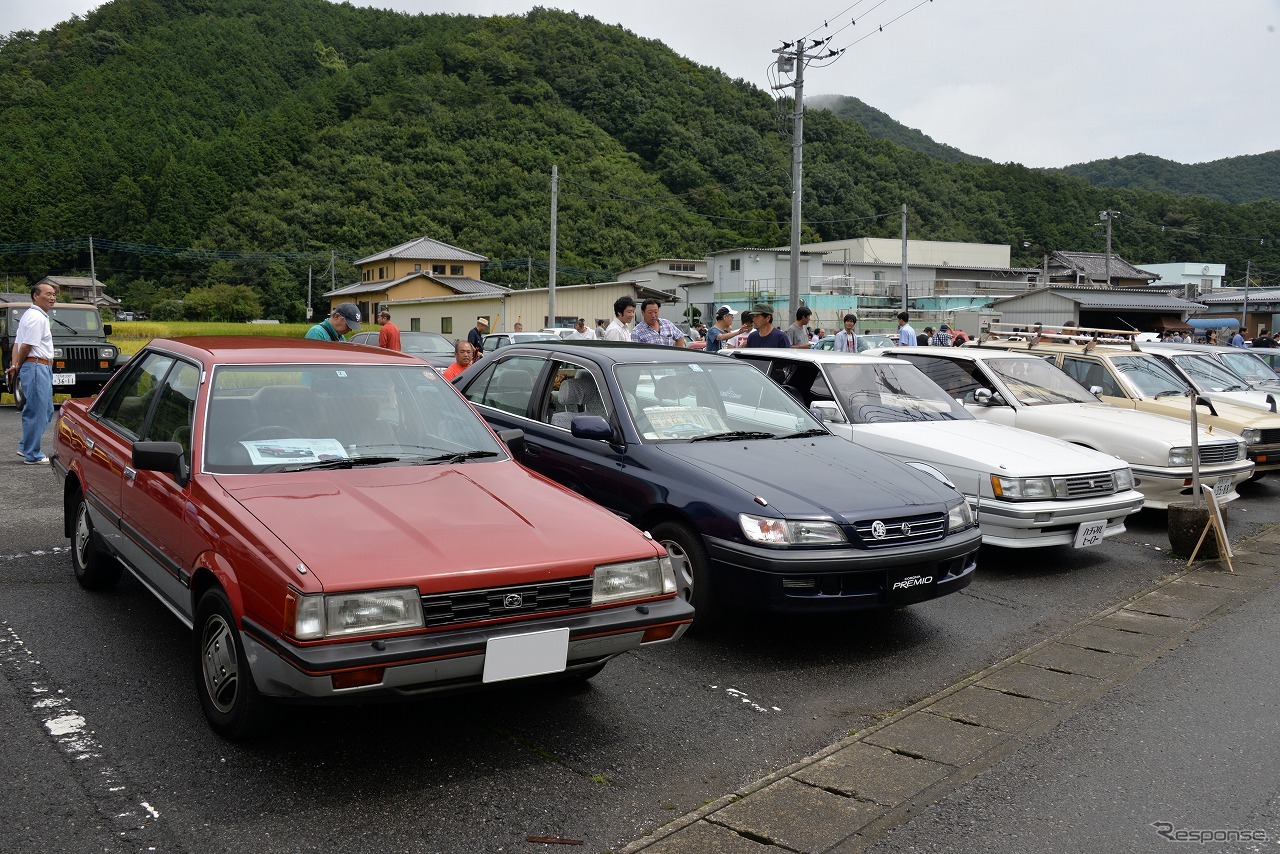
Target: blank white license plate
[
  {"x": 532, "y": 654},
  {"x": 64, "y": 379},
  {"x": 1090, "y": 533},
  {"x": 1222, "y": 488}
]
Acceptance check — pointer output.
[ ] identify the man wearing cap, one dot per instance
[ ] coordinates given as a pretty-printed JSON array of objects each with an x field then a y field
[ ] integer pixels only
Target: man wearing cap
[
  {"x": 797, "y": 333},
  {"x": 388, "y": 332},
  {"x": 475, "y": 336},
  {"x": 721, "y": 330},
  {"x": 624, "y": 311},
  {"x": 654, "y": 329},
  {"x": 941, "y": 338},
  {"x": 766, "y": 334},
  {"x": 344, "y": 318},
  {"x": 32, "y": 367}
]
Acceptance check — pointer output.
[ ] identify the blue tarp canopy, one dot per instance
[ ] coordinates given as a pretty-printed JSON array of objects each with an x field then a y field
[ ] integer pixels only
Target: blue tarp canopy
[{"x": 1213, "y": 322}]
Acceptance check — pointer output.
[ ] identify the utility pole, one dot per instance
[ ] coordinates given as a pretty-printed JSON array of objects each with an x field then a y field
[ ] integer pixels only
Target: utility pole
[
  {"x": 904, "y": 257},
  {"x": 308, "y": 292},
  {"x": 1244, "y": 311},
  {"x": 787, "y": 62},
  {"x": 93, "y": 276},
  {"x": 1107, "y": 216},
  {"x": 551, "y": 286}
]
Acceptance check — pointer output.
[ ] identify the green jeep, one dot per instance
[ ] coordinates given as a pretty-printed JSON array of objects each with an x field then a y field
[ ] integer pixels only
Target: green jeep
[{"x": 83, "y": 358}]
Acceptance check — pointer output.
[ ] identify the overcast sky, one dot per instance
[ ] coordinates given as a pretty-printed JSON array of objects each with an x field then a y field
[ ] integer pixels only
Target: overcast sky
[{"x": 1037, "y": 82}]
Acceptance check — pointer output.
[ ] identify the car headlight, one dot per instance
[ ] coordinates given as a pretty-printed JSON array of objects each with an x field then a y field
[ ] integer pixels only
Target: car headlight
[
  {"x": 1022, "y": 488},
  {"x": 1242, "y": 452},
  {"x": 57, "y": 352},
  {"x": 781, "y": 532},
  {"x": 1124, "y": 479},
  {"x": 959, "y": 517},
  {"x": 106, "y": 352},
  {"x": 635, "y": 579},
  {"x": 316, "y": 616},
  {"x": 1251, "y": 435},
  {"x": 1179, "y": 457}
]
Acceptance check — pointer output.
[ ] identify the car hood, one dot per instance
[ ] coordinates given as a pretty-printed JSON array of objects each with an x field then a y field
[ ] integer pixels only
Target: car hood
[
  {"x": 822, "y": 476},
  {"x": 994, "y": 448},
  {"x": 437, "y": 527}
]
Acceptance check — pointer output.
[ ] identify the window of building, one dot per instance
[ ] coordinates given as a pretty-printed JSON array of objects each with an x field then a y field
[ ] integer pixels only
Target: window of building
[
  {"x": 415, "y": 324},
  {"x": 878, "y": 275},
  {"x": 455, "y": 269},
  {"x": 681, "y": 267},
  {"x": 735, "y": 265},
  {"x": 382, "y": 273},
  {"x": 417, "y": 268},
  {"x": 437, "y": 269},
  {"x": 446, "y": 326}
]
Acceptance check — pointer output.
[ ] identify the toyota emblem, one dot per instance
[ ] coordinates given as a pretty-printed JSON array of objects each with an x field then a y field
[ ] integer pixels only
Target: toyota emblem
[
  {"x": 878, "y": 530},
  {"x": 512, "y": 600},
  {"x": 906, "y": 529}
]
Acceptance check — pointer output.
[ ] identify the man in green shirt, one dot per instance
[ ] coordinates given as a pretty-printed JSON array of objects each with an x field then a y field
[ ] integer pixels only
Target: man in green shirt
[{"x": 345, "y": 318}]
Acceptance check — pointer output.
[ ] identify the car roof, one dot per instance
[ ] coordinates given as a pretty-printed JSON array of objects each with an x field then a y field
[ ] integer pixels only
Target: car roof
[
  {"x": 611, "y": 352},
  {"x": 254, "y": 349},
  {"x": 966, "y": 352},
  {"x": 814, "y": 355}
]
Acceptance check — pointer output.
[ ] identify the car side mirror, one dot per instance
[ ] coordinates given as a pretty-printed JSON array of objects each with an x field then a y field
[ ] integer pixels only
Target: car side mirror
[
  {"x": 165, "y": 457},
  {"x": 513, "y": 438},
  {"x": 984, "y": 396},
  {"x": 106, "y": 329},
  {"x": 591, "y": 427},
  {"x": 827, "y": 411},
  {"x": 1271, "y": 399},
  {"x": 1095, "y": 390}
]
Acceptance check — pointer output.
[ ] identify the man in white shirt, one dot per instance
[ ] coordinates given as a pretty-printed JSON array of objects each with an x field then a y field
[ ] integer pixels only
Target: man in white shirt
[
  {"x": 624, "y": 311},
  {"x": 32, "y": 365},
  {"x": 581, "y": 332}
]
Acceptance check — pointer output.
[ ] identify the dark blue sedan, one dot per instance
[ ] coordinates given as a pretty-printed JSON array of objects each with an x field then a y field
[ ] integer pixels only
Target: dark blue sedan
[{"x": 756, "y": 502}]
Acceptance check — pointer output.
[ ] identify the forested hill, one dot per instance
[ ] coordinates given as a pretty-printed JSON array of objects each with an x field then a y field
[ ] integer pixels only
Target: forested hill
[
  {"x": 1234, "y": 179},
  {"x": 270, "y": 133},
  {"x": 882, "y": 126}
]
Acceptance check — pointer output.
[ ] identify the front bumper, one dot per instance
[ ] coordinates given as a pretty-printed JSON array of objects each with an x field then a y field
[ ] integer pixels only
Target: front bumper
[
  {"x": 1163, "y": 486},
  {"x": 1036, "y": 524},
  {"x": 835, "y": 580},
  {"x": 1264, "y": 457},
  {"x": 447, "y": 660}
]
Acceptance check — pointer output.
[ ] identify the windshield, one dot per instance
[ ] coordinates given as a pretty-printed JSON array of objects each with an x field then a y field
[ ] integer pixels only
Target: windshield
[
  {"x": 875, "y": 394},
  {"x": 1208, "y": 375},
  {"x": 65, "y": 321},
  {"x": 1035, "y": 382},
  {"x": 264, "y": 418},
  {"x": 873, "y": 342},
  {"x": 1149, "y": 376},
  {"x": 1249, "y": 366},
  {"x": 700, "y": 402},
  {"x": 425, "y": 342}
]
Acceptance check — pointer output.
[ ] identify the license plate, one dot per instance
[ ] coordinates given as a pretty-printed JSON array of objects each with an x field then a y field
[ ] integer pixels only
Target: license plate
[
  {"x": 909, "y": 585},
  {"x": 1222, "y": 488},
  {"x": 1090, "y": 533},
  {"x": 531, "y": 654},
  {"x": 64, "y": 379}
]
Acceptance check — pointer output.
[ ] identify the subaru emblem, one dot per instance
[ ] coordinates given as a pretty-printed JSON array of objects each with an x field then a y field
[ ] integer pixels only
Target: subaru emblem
[
  {"x": 512, "y": 600},
  {"x": 878, "y": 529}
]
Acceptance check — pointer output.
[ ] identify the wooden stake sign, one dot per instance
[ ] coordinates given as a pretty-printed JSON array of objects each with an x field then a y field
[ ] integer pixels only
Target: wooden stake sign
[{"x": 1219, "y": 529}]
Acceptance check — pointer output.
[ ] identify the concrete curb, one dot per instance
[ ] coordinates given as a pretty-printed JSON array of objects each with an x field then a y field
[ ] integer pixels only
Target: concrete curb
[{"x": 849, "y": 795}]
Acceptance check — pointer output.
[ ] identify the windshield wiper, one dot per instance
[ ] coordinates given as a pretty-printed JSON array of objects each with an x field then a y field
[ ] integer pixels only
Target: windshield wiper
[
  {"x": 344, "y": 463},
  {"x": 804, "y": 434},
  {"x": 733, "y": 434},
  {"x": 74, "y": 331},
  {"x": 457, "y": 457},
  {"x": 1173, "y": 392}
]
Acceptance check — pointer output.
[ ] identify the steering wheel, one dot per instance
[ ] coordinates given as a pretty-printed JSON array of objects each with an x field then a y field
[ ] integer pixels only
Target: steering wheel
[{"x": 268, "y": 431}]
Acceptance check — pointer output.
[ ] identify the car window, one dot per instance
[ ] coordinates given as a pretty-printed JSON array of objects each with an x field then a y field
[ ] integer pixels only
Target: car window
[
  {"x": 1249, "y": 366},
  {"x": 678, "y": 401},
  {"x": 507, "y": 385},
  {"x": 175, "y": 408},
  {"x": 128, "y": 406},
  {"x": 1090, "y": 373},
  {"x": 263, "y": 417},
  {"x": 1208, "y": 374},
  {"x": 1037, "y": 382},
  {"x": 959, "y": 378},
  {"x": 1149, "y": 376},
  {"x": 875, "y": 394},
  {"x": 573, "y": 391}
]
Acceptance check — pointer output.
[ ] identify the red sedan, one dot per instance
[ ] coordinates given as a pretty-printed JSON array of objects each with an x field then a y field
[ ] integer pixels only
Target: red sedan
[{"x": 337, "y": 521}]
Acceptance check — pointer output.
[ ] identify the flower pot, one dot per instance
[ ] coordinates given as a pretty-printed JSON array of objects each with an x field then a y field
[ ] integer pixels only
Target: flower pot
[{"x": 1186, "y": 524}]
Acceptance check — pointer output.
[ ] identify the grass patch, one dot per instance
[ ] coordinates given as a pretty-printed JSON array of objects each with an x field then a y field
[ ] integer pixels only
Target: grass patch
[{"x": 132, "y": 336}]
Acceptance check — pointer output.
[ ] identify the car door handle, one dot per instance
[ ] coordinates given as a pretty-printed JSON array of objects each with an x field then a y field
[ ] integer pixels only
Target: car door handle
[
  {"x": 532, "y": 450},
  {"x": 129, "y": 474}
]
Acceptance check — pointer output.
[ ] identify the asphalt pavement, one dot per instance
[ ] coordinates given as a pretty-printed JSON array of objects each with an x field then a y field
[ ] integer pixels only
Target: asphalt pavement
[{"x": 1149, "y": 726}]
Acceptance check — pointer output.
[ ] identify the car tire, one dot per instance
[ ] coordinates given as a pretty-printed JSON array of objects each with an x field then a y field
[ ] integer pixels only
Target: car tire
[
  {"x": 19, "y": 399},
  {"x": 234, "y": 708},
  {"x": 95, "y": 568},
  {"x": 692, "y": 567}
]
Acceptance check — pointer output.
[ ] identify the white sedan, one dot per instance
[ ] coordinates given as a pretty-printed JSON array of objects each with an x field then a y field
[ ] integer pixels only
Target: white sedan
[{"x": 1029, "y": 490}]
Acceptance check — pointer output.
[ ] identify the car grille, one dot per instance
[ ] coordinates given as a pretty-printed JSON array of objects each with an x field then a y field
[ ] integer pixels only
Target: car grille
[
  {"x": 901, "y": 530},
  {"x": 1271, "y": 437},
  {"x": 443, "y": 609},
  {"x": 1084, "y": 485},
  {"x": 79, "y": 354},
  {"x": 1223, "y": 452}
]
